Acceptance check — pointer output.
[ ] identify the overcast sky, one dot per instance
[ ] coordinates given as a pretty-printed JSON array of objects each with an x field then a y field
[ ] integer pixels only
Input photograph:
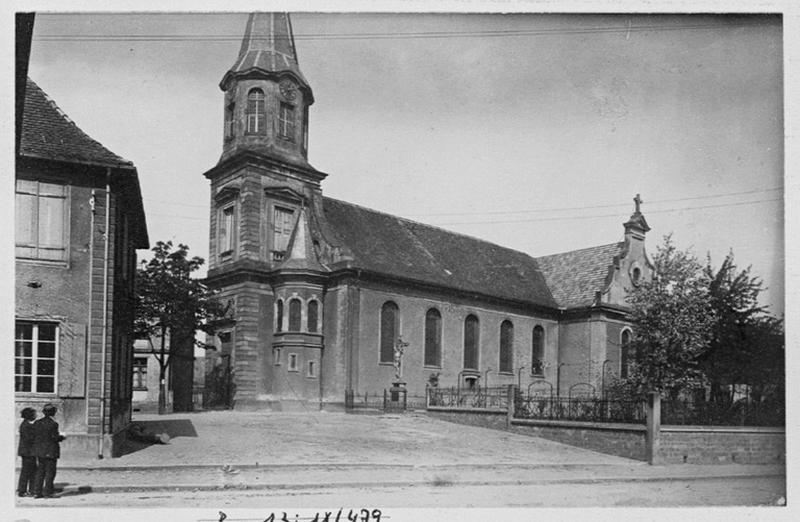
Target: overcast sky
[{"x": 531, "y": 131}]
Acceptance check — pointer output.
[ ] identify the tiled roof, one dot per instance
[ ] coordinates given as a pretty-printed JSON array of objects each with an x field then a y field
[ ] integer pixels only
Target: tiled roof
[
  {"x": 575, "y": 276},
  {"x": 390, "y": 245},
  {"x": 48, "y": 133}
]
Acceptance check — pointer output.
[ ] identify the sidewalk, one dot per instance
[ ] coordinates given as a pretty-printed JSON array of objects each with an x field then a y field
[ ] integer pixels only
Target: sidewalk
[{"x": 221, "y": 450}]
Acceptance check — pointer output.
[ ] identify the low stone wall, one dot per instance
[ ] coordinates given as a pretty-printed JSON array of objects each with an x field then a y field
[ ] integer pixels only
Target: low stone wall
[
  {"x": 622, "y": 440},
  {"x": 721, "y": 445},
  {"x": 471, "y": 416}
]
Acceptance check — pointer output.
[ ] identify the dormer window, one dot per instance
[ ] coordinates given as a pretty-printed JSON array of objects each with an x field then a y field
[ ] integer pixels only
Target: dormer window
[
  {"x": 256, "y": 112},
  {"x": 286, "y": 121}
]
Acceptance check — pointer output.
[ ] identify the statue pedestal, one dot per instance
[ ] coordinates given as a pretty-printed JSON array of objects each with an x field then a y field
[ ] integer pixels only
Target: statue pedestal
[{"x": 395, "y": 400}]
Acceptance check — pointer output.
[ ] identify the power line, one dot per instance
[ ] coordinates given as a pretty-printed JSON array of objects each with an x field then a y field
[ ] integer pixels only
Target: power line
[
  {"x": 614, "y": 205},
  {"x": 398, "y": 35},
  {"x": 531, "y": 211},
  {"x": 534, "y": 220},
  {"x": 565, "y": 218}
]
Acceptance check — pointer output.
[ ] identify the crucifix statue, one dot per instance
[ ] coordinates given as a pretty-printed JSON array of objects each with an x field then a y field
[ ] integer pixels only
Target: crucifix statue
[
  {"x": 399, "y": 346},
  {"x": 638, "y": 201}
]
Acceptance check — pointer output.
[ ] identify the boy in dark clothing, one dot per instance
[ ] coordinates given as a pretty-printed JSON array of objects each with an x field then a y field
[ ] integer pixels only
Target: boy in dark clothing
[
  {"x": 25, "y": 450},
  {"x": 47, "y": 450}
]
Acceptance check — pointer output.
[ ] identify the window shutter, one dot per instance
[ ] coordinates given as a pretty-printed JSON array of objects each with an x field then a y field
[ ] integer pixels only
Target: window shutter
[{"x": 72, "y": 360}]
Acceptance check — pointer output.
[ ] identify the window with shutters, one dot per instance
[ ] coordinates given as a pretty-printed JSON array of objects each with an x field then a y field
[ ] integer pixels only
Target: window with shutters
[
  {"x": 282, "y": 224},
  {"x": 389, "y": 331},
  {"x": 41, "y": 220},
  {"x": 35, "y": 356},
  {"x": 506, "y": 347},
  {"x": 537, "y": 351},
  {"x": 256, "y": 112},
  {"x": 140, "y": 373},
  {"x": 433, "y": 338},
  {"x": 471, "y": 341}
]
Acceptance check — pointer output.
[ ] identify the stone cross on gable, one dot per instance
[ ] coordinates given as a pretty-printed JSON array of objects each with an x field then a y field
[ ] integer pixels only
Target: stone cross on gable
[{"x": 638, "y": 201}]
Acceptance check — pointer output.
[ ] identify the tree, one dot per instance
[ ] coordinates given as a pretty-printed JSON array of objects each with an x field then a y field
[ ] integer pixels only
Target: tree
[
  {"x": 746, "y": 347},
  {"x": 673, "y": 321},
  {"x": 170, "y": 303}
]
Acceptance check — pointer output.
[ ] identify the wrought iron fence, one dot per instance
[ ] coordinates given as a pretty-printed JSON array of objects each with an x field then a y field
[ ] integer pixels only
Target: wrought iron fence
[
  {"x": 587, "y": 409},
  {"x": 494, "y": 398},
  {"x": 377, "y": 401},
  {"x": 726, "y": 413}
]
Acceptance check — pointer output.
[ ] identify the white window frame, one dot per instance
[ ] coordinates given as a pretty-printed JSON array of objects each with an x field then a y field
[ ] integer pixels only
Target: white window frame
[
  {"x": 286, "y": 123},
  {"x": 35, "y": 359}
]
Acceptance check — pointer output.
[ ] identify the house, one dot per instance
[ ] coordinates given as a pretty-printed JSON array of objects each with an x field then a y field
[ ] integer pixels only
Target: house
[
  {"x": 79, "y": 221},
  {"x": 147, "y": 369},
  {"x": 328, "y": 296}
]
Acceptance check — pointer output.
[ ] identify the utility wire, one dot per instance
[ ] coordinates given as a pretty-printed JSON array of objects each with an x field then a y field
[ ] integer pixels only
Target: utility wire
[
  {"x": 399, "y": 35},
  {"x": 538, "y": 210},
  {"x": 561, "y": 218}
]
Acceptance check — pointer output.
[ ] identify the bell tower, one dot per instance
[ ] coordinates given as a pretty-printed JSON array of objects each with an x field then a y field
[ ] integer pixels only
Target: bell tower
[
  {"x": 265, "y": 208},
  {"x": 266, "y": 96}
]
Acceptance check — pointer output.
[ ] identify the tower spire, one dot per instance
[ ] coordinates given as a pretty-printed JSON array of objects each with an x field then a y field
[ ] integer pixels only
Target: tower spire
[{"x": 267, "y": 50}]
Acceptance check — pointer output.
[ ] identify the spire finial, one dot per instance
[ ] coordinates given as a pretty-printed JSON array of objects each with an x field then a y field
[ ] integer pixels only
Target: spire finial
[{"x": 638, "y": 201}]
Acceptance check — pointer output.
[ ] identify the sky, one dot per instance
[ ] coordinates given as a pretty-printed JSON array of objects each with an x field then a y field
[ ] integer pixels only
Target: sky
[{"x": 531, "y": 131}]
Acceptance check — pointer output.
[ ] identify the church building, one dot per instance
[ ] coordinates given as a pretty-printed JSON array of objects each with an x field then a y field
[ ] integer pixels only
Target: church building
[{"x": 324, "y": 293}]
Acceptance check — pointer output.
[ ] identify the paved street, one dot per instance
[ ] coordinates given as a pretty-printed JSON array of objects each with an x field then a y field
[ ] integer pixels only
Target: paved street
[{"x": 251, "y": 460}]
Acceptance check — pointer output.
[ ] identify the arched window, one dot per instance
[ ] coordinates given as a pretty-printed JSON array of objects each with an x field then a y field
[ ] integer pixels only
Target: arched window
[
  {"x": 294, "y": 315},
  {"x": 279, "y": 315},
  {"x": 256, "y": 112},
  {"x": 537, "y": 351},
  {"x": 506, "y": 347},
  {"x": 313, "y": 313},
  {"x": 389, "y": 315},
  {"x": 471, "y": 342},
  {"x": 624, "y": 353},
  {"x": 433, "y": 338}
]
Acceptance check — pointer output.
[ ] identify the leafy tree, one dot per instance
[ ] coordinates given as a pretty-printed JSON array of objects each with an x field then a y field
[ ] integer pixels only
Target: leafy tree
[
  {"x": 747, "y": 344},
  {"x": 171, "y": 304},
  {"x": 673, "y": 322}
]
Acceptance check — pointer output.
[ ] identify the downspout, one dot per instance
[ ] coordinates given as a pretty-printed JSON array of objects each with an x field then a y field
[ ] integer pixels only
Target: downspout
[
  {"x": 92, "y": 202},
  {"x": 104, "y": 341}
]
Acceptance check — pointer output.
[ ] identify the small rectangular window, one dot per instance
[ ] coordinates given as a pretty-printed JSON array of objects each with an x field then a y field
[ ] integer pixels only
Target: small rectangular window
[
  {"x": 35, "y": 357},
  {"x": 41, "y": 220},
  {"x": 293, "y": 362},
  {"x": 311, "y": 369},
  {"x": 276, "y": 356},
  {"x": 140, "y": 373}
]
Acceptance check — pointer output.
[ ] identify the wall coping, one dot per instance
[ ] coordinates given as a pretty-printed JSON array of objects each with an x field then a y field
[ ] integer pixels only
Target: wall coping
[
  {"x": 675, "y": 428},
  {"x": 445, "y": 409},
  {"x": 611, "y": 426}
]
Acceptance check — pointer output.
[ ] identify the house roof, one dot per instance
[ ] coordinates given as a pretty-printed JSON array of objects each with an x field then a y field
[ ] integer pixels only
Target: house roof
[
  {"x": 575, "y": 276},
  {"x": 48, "y": 133},
  {"x": 394, "y": 246}
]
